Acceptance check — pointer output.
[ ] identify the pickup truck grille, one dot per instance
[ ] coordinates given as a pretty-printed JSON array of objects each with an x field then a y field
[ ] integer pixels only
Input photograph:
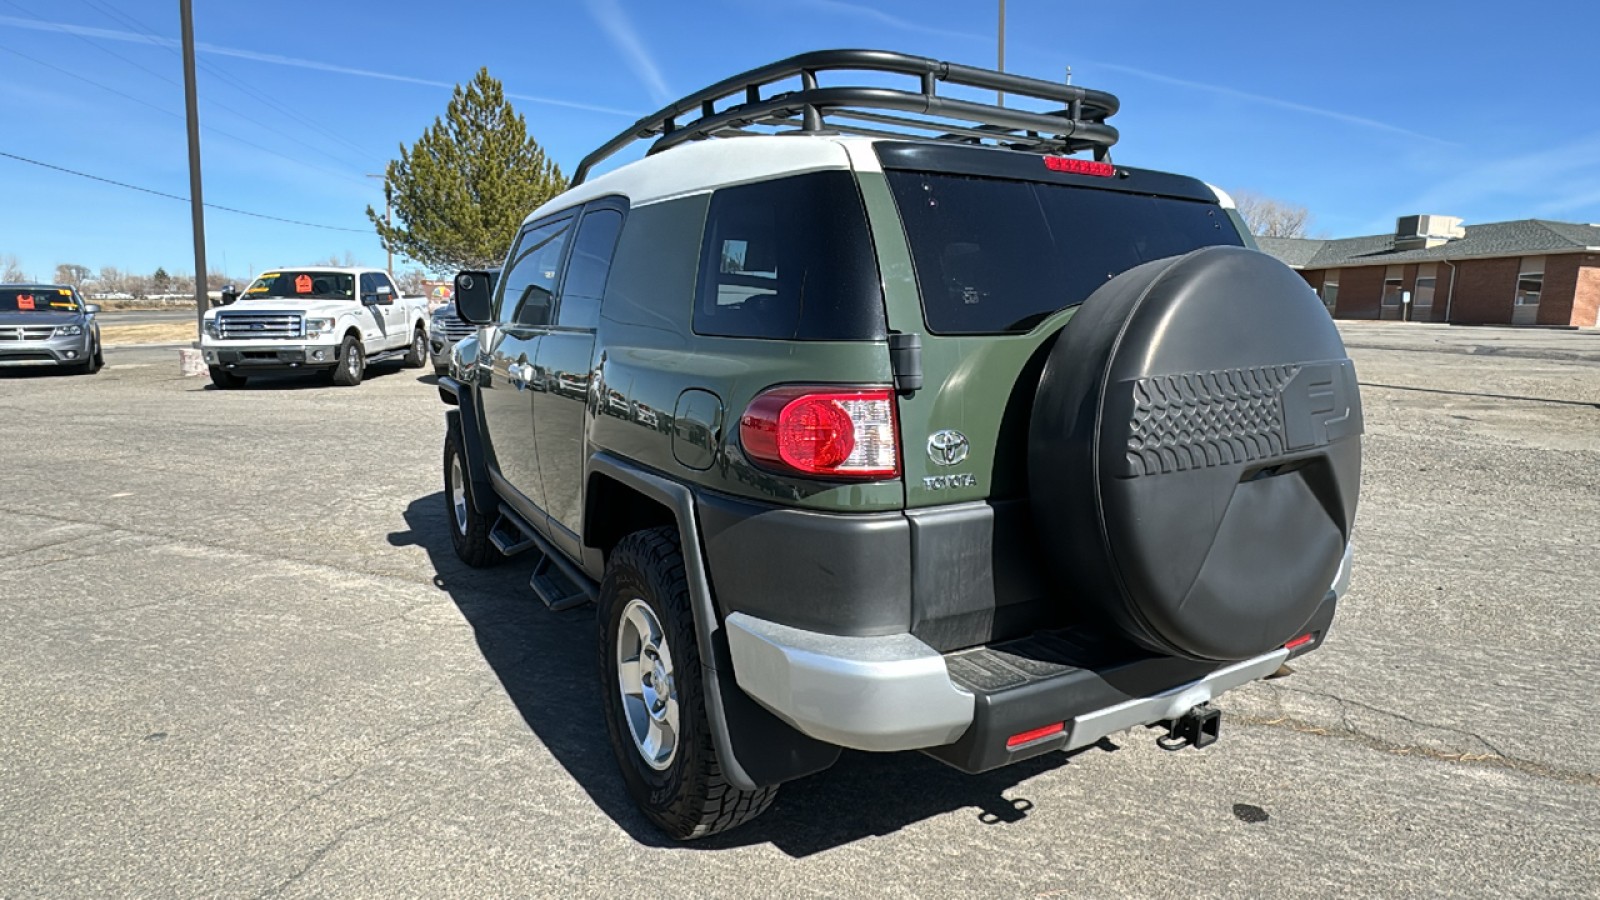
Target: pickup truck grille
[
  {"x": 256, "y": 326},
  {"x": 26, "y": 332},
  {"x": 451, "y": 327}
]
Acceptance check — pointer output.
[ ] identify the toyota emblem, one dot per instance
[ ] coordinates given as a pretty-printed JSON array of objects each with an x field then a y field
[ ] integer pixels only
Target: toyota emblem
[{"x": 947, "y": 447}]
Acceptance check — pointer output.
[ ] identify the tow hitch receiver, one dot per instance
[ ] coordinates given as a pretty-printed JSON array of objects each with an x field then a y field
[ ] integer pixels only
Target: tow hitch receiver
[{"x": 1198, "y": 728}]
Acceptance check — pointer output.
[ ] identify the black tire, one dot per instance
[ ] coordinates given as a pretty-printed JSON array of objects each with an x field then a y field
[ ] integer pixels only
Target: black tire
[
  {"x": 417, "y": 355},
  {"x": 469, "y": 529},
  {"x": 687, "y": 796},
  {"x": 352, "y": 363},
  {"x": 1195, "y": 454},
  {"x": 97, "y": 360},
  {"x": 225, "y": 380}
]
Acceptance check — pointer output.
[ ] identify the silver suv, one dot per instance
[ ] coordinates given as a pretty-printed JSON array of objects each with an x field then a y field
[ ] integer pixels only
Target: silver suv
[{"x": 48, "y": 325}]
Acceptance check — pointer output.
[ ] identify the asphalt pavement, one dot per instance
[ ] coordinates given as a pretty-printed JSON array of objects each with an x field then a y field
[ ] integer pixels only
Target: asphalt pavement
[{"x": 238, "y": 658}]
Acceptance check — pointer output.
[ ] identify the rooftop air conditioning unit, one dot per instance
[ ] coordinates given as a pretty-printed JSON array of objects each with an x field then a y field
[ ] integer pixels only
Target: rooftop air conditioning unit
[{"x": 1421, "y": 232}]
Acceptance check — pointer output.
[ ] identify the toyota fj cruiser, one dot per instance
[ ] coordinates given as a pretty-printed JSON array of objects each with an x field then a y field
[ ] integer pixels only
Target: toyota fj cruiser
[{"x": 893, "y": 424}]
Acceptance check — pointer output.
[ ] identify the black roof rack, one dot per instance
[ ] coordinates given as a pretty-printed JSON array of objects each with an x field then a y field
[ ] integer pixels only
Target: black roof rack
[{"x": 1079, "y": 125}]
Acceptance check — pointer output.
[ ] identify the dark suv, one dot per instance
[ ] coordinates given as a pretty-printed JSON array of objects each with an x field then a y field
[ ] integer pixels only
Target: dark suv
[{"x": 901, "y": 428}]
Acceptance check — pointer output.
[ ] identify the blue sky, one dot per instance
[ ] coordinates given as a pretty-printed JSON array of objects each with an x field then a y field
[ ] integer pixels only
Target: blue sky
[{"x": 1358, "y": 111}]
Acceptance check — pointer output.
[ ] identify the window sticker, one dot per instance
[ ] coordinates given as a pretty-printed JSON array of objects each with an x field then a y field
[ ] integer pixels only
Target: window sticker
[
  {"x": 64, "y": 292},
  {"x": 24, "y": 301},
  {"x": 302, "y": 284}
]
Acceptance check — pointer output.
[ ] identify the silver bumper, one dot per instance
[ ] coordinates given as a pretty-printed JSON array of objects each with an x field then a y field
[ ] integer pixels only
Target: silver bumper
[
  {"x": 894, "y": 692},
  {"x": 868, "y": 693}
]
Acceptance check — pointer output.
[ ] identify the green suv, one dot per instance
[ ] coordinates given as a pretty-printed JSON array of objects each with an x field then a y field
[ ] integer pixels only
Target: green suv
[{"x": 895, "y": 423}]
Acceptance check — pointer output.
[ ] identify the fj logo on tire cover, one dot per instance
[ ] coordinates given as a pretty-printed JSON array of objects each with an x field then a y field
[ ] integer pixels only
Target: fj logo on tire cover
[{"x": 947, "y": 447}]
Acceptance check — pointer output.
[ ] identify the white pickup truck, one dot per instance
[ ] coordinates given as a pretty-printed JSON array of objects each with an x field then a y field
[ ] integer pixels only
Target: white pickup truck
[{"x": 322, "y": 318}]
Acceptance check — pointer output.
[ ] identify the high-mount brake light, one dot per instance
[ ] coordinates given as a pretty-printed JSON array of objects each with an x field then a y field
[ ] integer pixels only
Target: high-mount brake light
[
  {"x": 1077, "y": 166},
  {"x": 831, "y": 432}
]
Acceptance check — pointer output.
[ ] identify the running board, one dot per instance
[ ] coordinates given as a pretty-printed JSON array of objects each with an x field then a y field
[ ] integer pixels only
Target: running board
[
  {"x": 509, "y": 535},
  {"x": 556, "y": 582}
]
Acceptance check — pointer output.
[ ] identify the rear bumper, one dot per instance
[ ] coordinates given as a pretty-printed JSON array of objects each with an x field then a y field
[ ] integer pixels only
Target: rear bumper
[
  {"x": 894, "y": 692},
  {"x": 867, "y": 693}
]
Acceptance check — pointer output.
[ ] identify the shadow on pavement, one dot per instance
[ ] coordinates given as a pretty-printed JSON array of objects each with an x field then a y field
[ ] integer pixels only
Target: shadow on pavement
[
  {"x": 299, "y": 381},
  {"x": 547, "y": 664}
]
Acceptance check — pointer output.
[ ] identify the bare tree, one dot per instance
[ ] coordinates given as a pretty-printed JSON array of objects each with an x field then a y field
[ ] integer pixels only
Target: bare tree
[
  {"x": 411, "y": 282},
  {"x": 11, "y": 269},
  {"x": 1269, "y": 217},
  {"x": 72, "y": 273}
]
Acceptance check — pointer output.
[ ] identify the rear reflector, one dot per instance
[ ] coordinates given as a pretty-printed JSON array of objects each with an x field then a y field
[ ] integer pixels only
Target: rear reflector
[
  {"x": 1300, "y": 641},
  {"x": 1079, "y": 166},
  {"x": 1028, "y": 737}
]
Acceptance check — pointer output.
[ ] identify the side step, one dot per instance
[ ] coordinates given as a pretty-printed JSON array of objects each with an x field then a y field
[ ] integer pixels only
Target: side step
[{"x": 556, "y": 582}]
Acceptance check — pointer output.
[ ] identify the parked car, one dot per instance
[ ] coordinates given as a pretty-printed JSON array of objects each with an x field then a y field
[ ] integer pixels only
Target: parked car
[
  {"x": 334, "y": 320},
  {"x": 445, "y": 328},
  {"x": 963, "y": 444},
  {"x": 49, "y": 325}
]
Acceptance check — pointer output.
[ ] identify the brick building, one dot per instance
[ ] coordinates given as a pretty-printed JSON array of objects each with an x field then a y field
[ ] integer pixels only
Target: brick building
[{"x": 1528, "y": 272}]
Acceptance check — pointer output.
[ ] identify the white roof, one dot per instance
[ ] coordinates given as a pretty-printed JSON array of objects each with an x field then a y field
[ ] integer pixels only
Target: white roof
[
  {"x": 353, "y": 270},
  {"x": 699, "y": 167}
]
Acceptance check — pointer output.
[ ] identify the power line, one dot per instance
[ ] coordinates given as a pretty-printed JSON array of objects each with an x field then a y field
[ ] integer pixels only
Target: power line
[
  {"x": 211, "y": 128},
  {"x": 237, "y": 84},
  {"x": 135, "y": 187}
]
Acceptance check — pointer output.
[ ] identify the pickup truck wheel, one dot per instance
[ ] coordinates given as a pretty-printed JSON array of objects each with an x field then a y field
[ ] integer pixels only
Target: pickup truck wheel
[
  {"x": 417, "y": 356},
  {"x": 224, "y": 379},
  {"x": 654, "y": 697},
  {"x": 469, "y": 529},
  {"x": 352, "y": 363}
]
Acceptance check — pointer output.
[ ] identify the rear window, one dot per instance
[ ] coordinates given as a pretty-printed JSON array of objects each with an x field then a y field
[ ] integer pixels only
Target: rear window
[
  {"x": 789, "y": 258},
  {"x": 37, "y": 300},
  {"x": 997, "y": 257}
]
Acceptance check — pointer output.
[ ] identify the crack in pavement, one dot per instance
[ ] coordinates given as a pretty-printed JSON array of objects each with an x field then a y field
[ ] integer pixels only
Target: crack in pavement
[
  {"x": 371, "y": 753},
  {"x": 1346, "y": 730},
  {"x": 343, "y": 835}
]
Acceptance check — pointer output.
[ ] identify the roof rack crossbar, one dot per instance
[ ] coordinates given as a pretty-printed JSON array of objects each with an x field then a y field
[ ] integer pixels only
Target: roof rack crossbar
[{"x": 1080, "y": 125}]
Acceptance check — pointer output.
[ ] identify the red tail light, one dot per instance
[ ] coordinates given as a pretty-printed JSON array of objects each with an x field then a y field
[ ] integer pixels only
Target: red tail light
[
  {"x": 1079, "y": 166},
  {"x": 824, "y": 431},
  {"x": 1300, "y": 641}
]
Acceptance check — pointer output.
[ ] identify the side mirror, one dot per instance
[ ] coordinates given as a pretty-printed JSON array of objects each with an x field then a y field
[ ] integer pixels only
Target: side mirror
[
  {"x": 475, "y": 297},
  {"x": 90, "y": 309},
  {"x": 385, "y": 294},
  {"x": 229, "y": 294}
]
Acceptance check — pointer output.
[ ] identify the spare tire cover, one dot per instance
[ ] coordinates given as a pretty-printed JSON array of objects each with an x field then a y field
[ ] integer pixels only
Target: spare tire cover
[{"x": 1194, "y": 454}]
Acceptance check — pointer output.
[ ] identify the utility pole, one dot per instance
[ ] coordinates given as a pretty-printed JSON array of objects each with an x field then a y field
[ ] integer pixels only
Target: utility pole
[
  {"x": 196, "y": 204},
  {"x": 1002, "y": 32},
  {"x": 388, "y": 219}
]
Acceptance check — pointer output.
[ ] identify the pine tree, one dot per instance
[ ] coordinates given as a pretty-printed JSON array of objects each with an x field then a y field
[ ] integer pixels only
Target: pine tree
[{"x": 459, "y": 193}]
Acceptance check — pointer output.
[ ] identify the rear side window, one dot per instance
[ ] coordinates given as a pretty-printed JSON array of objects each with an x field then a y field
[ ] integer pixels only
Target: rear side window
[
  {"x": 997, "y": 257},
  {"x": 588, "y": 269},
  {"x": 789, "y": 258}
]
